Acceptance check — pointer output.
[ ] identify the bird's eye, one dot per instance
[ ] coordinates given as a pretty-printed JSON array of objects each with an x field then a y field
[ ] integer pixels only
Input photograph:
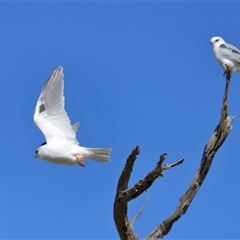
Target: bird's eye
[
  {"x": 36, "y": 152},
  {"x": 216, "y": 40}
]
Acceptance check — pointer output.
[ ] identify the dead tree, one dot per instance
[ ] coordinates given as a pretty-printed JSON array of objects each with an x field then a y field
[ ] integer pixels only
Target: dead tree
[{"x": 126, "y": 193}]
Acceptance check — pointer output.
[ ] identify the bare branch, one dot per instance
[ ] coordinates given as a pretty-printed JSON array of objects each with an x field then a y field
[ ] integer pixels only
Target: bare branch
[
  {"x": 171, "y": 165},
  {"x": 139, "y": 213},
  {"x": 126, "y": 194},
  {"x": 120, "y": 207},
  {"x": 127, "y": 170},
  {"x": 161, "y": 159},
  {"x": 142, "y": 185},
  {"x": 217, "y": 139}
]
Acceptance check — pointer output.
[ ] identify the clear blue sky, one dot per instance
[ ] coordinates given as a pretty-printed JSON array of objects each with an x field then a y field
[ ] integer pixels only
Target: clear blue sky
[{"x": 135, "y": 74}]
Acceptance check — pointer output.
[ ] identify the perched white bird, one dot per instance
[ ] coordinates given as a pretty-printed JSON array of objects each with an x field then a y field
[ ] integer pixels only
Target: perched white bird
[
  {"x": 61, "y": 145},
  {"x": 226, "y": 54}
]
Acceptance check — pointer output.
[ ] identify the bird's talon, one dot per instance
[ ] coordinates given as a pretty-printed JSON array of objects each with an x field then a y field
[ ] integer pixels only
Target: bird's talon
[{"x": 80, "y": 160}]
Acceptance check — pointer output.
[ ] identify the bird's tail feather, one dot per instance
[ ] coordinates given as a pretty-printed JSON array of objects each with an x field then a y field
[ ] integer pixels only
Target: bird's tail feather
[{"x": 99, "y": 154}]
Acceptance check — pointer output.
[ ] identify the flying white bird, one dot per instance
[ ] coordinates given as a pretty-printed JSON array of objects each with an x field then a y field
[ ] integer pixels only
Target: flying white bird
[
  {"x": 227, "y": 55},
  {"x": 61, "y": 145}
]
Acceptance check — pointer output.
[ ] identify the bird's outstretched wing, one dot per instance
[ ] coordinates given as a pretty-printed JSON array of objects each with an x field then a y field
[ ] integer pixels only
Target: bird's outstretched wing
[
  {"x": 50, "y": 115},
  {"x": 231, "y": 52}
]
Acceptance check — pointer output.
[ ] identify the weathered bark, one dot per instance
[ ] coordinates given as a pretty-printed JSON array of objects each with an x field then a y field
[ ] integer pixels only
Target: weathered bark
[
  {"x": 125, "y": 193},
  {"x": 120, "y": 206}
]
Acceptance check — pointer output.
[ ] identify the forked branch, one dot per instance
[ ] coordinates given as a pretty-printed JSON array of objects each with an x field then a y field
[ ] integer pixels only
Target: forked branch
[{"x": 125, "y": 193}]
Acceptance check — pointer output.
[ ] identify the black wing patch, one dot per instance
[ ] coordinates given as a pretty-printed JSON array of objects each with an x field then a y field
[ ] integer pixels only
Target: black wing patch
[
  {"x": 43, "y": 143},
  {"x": 235, "y": 51},
  {"x": 222, "y": 46},
  {"x": 42, "y": 108}
]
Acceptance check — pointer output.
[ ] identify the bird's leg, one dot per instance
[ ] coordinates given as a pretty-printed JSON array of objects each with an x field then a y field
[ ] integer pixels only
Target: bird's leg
[
  {"x": 228, "y": 76},
  {"x": 80, "y": 160},
  {"x": 225, "y": 69},
  {"x": 227, "y": 72}
]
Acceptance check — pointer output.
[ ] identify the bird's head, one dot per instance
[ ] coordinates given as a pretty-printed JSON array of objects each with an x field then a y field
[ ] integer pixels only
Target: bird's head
[
  {"x": 216, "y": 41},
  {"x": 39, "y": 151}
]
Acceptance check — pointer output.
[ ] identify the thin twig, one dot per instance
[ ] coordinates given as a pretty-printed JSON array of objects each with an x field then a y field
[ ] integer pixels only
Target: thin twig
[
  {"x": 139, "y": 213},
  {"x": 167, "y": 166}
]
